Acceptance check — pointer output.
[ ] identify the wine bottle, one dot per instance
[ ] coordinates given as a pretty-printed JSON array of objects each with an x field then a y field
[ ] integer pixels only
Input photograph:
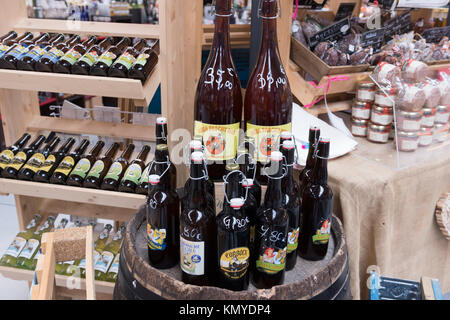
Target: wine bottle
[
  {"x": 144, "y": 65},
  {"x": 29, "y": 60},
  {"x": 7, "y": 44},
  {"x": 304, "y": 176},
  {"x": 106, "y": 258},
  {"x": 9, "y": 60},
  {"x": 8, "y": 154},
  {"x": 66, "y": 165},
  {"x": 83, "y": 166},
  {"x": 100, "y": 168},
  {"x": 134, "y": 171},
  {"x": 117, "y": 170}
]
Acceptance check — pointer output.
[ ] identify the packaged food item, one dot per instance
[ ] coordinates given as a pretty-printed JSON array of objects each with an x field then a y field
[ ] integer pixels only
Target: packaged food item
[
  {"x": 425, "y": 136},
  {"x": 359, "y": 127},
  {"x": 411, "y": 98},
  {"x": 361, "y": 109},
  {"x": 385, "y": 100},
  {"x": 408, "y": 121},
  {"x": 378, "y": 133},
  {"x": 366, "y": 91},
  {"x": 428, "y": 116},
  {"x": 442, "y": 114},
  {"x": 414, "y": 70},
  {"x": 432, "y": 94},
  {"x": 440, "y": 132},
  {"x": 407, "y": 141},
  {"x": 382, "y": 115},
  {"x": 387, "y": 74}
]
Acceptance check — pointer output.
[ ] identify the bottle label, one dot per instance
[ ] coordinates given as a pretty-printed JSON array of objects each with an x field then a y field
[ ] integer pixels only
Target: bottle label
[
  {"x": 19, "y": 159},
  {"x": 133, "y": 173},
  {"x": 271, "y": 259},
  {"x": 19, "y": 51},
  {"x": 192, "y": 257},
  {"x": 323, "y": 233},
  {"x": 156, "y": 239},
  {"x": 5, "y": 158},
  {"x": 54, "y": 55},
  {"x": 234, "y": 263},
  {"x": 66, "y": 165},
  {"x": 104, "y": 261},
  {"x": 36, "y": 53},
  {"x": 90, "y": 58},
  {"x": 16, "y": 247},
  {"x": 48, "y": 164},
  {"x": 142, "y": 59},
  {"x": 107, "y": 58},
  {"x": 115, "y": 265},
  {"x": 292, "y": 240},
  {"x": 29, "y": 250},
  {"x": 82, "y": 168},
  {"x": 71, "y": 56},
  {"x": 266, "y": 138},
  {"x": 126, "y": 60},
  {"x": 220, "y": 140},
  {"x": 35, "y": 162},
  {"x": 3, "y": 49},
  {"x": 97, "y": 169},
  {"x": 144, "y": 177},
  {"x": 114, "y": 172}
]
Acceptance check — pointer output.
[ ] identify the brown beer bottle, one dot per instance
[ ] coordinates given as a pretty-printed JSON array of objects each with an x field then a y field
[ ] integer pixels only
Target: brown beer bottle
[
  {"x": 65, "y": 63},
  {"x": 218, "y": 100},
  {"x": 314, "y": 135},
  {"x": 8, "y": 43},
  {"x": 143, "y": 65},
  {"x": 172, "y": 171},
  {"x": 161, "y": 130},
  {"x": 83, "y": 166},
  {"x": 84, "y": 64},
  {"x": 21, "y": 157},
  {"x": 8, "y": 154},
  {"x": 271, "y": 230},
  {"x": 104, "y": 62},
  {"x": 28, "y": 61},
  {"x": 123, "y": 64},
  {"x": 163, "y": 222},
  {"x": 7, "y": 38},
  {"x": 134, "y": 171},
  {"x": 52, "y": 161},
  {"x": 316, "y": 215},
  {"x": 117, "y": 169},
  {"x": 198, "y": 230},
  {"x": 292, "y": 202},
  {"x": 48, "y": 60},
  {"x": 98, "y": 171},
  {"x": 9, "y": 60},
  {"x": 268, "y": 99},
  {"x": 37, "y": 160},
  {"x": 233, "y": 236},
  {"x": 143, "y": 185},
  {"x": 68, "y": 163}
]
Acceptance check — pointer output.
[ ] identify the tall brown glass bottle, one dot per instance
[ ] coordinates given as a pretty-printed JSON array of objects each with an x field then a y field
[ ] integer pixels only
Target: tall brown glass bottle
[
  {"x": 172, "y": 171},
  {"x": 37, "y": 160},
  {"x": 268, "y": 99},
  {"x": 272, "y": 224},
  {"x": 52, "y": 161},
  {"x": 233, "y": 236},
  {"x": 7, "y": 44},
  {"x": 65, "y": 63},
  {"x": 9, "y": 60},
  {"x": 104, "y": 62},
  {"x": 100, "y": 168},
  {"x": 317, "y": 199},
  {"x": 134, "y": 172},
  {"x": 84, "y": 64},
  {"x": 8, "y": 154},
  {"x": 197, "y": 230},
  {"x": 117, "y": 170},
  {"x": 292, "y": 202},
  {"x": 68, "y": 163},
  {"x": 21, "y": 157},
  {"x": 143, "y": 65},
  {"x": 83, "y": 166},
  {"x": 218, "y": 100},
  {"x": 29, "y": 60},
  {"x": 304, "y": 177},
  {"x": 163, "y": 222},
  {"x": 48, "y": 60},
  {"x": 123, "y": 64}
]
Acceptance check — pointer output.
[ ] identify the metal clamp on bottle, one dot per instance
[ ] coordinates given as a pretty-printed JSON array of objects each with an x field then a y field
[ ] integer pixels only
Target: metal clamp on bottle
[{"x": 225, "y": 181}]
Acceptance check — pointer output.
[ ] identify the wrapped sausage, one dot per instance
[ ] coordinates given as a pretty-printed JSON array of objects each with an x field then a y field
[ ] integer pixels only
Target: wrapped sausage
[
  {"x": 297, "y": 32},
  {"x": 411, "y": 98},
  {"x": 414, "y": 71},
  {"x": 321, "y": 49},
  {"x": 386, "y": 74}
]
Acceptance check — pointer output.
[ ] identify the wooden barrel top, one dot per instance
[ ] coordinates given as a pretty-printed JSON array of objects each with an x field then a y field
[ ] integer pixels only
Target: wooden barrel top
[{"x": 307, "y": 280}]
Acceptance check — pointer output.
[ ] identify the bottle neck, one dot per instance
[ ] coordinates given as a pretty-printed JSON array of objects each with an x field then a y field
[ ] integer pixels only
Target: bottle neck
[
  {"x": 161, "y": 134},
  {"x": 274, "y": 194},
  {"x": 197, "y": 188},
  {"x": 313, "y": 139},
  {"x": 128, "y": 151},
  {"x": 82, "y": 148},
  {"x": 37, "y": 143},
  {"x": 222, "y": 34},
  {"x": 320, "y": 172},
  {"x": 233, "y": 188},
  {"x": 144, "y": 153},
  {"x": 22, "y": 141},
  {"x": 112, "y": 151},
  {"x": 98, "y": 147},
  {"x": 65, "y": 148}
]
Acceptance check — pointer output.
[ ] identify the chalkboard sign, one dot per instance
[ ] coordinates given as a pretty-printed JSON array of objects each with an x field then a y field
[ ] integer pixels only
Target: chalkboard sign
[
  {"x": 373, "y": 38},
  {"x": 345, "y": 10},
  {"x": 311, "y": 4},
  {"x": 398, "y": 25},
  {"x": 436, "y": 34},
  {"x": 331, "y": 33}
]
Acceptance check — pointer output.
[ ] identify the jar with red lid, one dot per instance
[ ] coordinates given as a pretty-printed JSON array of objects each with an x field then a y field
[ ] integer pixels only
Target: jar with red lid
[
  {"x": 440, "y": 132},
  {"x": 361, "y": 110},
  {"x": 366, "y": 91},
  {"x": 378, "y": 133},
  {"x": 426, "y": 136},
  {"x": 359, "y": 127},
  {"x": 382, "y": 115},
  {"x": 408, "y": 120},
  {"x": 385, "y": 100},
  {"x": 428, "y": 116},
  {"x": 442, "y": 114},
  {"x": 407, "y": 141}
]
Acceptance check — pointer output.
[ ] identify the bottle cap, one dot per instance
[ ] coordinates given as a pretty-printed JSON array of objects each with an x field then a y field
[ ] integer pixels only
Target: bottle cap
[
  {"x": 232, "y": 167},
  {"x": 247, "y": 183},
  {"x": 324, "y": 140},
  {"x": 286, "y": 135},
  {"x": 288, "y": 144},
  {"x": 197, "y": 156},
  {"x": 195, "y": 145},
  {"x": 236, "y": 203},
  {"x": 276, "y": 156},
  {"x": 161, "y": 120},
  {"x": 153, "y": 179}
]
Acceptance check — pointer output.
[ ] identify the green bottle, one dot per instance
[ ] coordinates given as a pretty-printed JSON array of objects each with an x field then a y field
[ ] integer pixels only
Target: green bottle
[
  {"x": 111, "y": 276},
  {"x": 10, "y": 256},
  {"x": 26, "y": 257},
  {"x": 105, "y": 260},
  {"x": 61, "y": 267}
]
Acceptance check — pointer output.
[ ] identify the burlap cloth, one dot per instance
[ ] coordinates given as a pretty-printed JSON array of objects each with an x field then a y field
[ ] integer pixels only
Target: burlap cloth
[{"x": 389, "y": 220}]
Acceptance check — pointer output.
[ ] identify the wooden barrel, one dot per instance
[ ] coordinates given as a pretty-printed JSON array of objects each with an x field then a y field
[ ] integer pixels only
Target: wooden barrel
[{"x": 327, "y": 279}]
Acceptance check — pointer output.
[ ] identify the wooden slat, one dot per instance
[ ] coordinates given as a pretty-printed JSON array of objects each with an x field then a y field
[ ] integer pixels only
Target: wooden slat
[
  {"x": 90, "y": 281},
  {"x": 91, "y": 27},
  {"x": 46, "y": 285}
]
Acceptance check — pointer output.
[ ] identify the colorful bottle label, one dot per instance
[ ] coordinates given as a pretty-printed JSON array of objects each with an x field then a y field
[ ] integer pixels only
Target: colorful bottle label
[
  {"x": 127, "y": 60},
  {"x": 292, "y": 240},
  {"x": 115, "y": 265},
  {"x": 192, "y": 257},
  {"x": 144, "y": 176},
  {"x": 97, "y": 169},
  {"x": 142, "y": 59},
  {"x": 19, "y": 51},
  {"x": 104, "y": 261},
  {"x": 5, "y": 158},
  {"x": 133, "y": 173},
  {"x": 156, "y": 238},
  {"x": 107, "y": 58},
  {"x": 220, "y": 140},
  {"x": 36, "y": 53},
  {"x": 266, "y": 138},
  {"x": 3, "y": 49},
  {"x": 66, "y": 165},
  {"x": 234, "y": 263},
  {"x": 48, "y": 163},
  {"x": 323, "y": 233},
  {"x": 54, "y": 55},
  {"x": 114, "y": 172},
  {"x": 82, "y": 168},
  {"x": 71, "y": 56},
  {"x": 35, "y": 163},
  {"x": 90, "y": 58},
  {"x": 30, "y": 249},
  {"x": 271, "y": 259},
  {"x": 16, "y": 247},
  {"x": 19, "y": 159}
]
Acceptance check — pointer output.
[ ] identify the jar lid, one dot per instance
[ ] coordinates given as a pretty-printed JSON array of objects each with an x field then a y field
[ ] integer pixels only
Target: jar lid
[
  {"x": 379, "y": 127},
  {"x": 428, "y": 111},
  {"x": 236, "y": 203},
  {"x": 410, "y": 114},
  {"x": 441, "y": 108},
  {"x": 361, "y": 104},
  {"x": 247, "y": 183},
  {"x": 154, "y": 179},
  {"x": 366, "y": 84},
  {"x": 360, "y": 121},
  {"x": 426, "y": 129},
  {"x": 382, "y": 108},
  {"x": 409, "y": 134}
]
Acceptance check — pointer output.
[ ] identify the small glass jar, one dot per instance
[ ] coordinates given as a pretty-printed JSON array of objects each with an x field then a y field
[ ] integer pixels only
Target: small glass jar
[
  {"x": 382, "y": 115},
  {"x": 366, "y": 91},
  {"x": 442, "y": 114},
  {"x": 428, "y": 116},
  {"x": 359, "y": 127},
  {"x": 407, "y": 141},
  {"x": 377, "y": 133},
  {"x": 361, "y": 110},
  {"x": 425, "y": 136},
  {"x": 440, "y": 132},
  {"x": 408, "y": 120},
  {"x": 384, "y": 100}
]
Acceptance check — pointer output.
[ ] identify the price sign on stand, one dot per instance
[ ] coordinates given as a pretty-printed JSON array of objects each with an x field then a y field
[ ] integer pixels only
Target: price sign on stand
[
  {"x": 331, "y": 33},
  {"x": 436, "y": 34},
  {"x": 398, "y": 25},
  {"x": 373, "y": 38}
]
